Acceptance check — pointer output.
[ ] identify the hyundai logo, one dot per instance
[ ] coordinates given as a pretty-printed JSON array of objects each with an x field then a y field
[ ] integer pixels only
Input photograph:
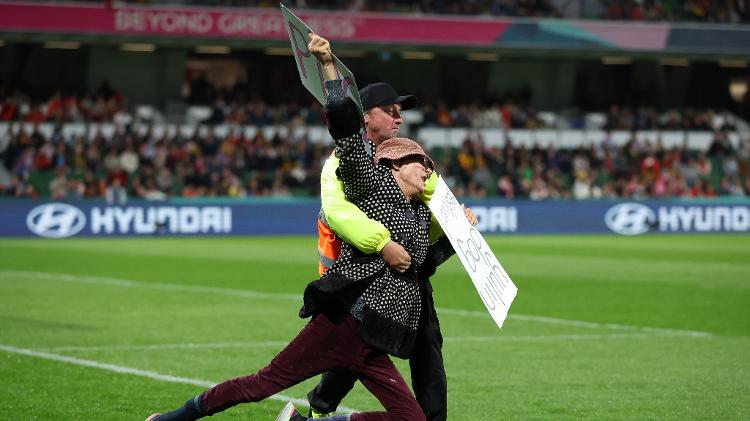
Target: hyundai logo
[
  {"x": 55, "y": 220},
  {"x": 630, "y": 218}
]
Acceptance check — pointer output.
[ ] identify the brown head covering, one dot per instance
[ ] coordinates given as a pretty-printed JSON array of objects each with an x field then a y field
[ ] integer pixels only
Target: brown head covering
[{"x": 399, "y": 147}]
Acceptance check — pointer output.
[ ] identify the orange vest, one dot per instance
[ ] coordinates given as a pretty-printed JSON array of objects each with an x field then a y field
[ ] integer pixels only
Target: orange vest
[{"x": 329, "y": 245}]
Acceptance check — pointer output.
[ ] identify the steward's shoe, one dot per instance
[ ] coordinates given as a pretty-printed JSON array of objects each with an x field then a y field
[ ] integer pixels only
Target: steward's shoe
[{"x": 315, "y": 414}]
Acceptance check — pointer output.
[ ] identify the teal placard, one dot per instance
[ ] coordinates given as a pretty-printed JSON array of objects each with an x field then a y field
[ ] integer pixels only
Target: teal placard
[{"x": 310, "y": 71}]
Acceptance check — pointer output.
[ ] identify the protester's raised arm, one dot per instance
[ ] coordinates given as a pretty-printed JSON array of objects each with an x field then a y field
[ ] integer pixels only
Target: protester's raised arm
[{"x": 321, "y": 48}]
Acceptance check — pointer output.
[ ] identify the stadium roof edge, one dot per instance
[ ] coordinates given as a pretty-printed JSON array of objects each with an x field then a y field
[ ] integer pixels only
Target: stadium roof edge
[
  {"x": 242, "y": 28},
  {"x": 372, "y": 48}
]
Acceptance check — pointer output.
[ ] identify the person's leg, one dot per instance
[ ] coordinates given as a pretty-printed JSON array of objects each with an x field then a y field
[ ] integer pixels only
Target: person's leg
[
  {"x": 321, "y": 345},
  {"x": 378, "y": 374},
  {"x": 428, "y": 378},
  {"x": 333, "y": 386}
]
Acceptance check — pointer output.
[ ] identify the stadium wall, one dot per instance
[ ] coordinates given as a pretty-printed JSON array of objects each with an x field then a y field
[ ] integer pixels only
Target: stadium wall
[
  {"x": 146, "y": 78},
  {"x": 29, "y": 218}
]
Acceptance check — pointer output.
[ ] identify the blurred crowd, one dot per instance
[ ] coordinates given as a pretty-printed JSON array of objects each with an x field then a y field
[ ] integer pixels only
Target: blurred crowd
[
  {"x": 157, "y": 167},
  {"x": 147, "y": 166},
  {"x": 637, "y": 170},
  {"x": 647, "y": 118},
  {"x": 234, "y": 107},
  {"x": 105, "y": 104},
  {"x": 716, "y": 11}
]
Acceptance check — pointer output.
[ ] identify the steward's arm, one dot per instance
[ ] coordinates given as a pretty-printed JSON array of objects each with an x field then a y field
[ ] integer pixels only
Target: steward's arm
[
  {"x": 345, "y": 218},
  {"x": 429, "y": 189}
]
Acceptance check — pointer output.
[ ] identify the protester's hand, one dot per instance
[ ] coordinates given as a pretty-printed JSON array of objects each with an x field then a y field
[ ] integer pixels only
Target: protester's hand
[
  {"x": 470, "y": 215},
  {"x": 321, "y": 48},
  {"x": 396, "y": 256}
]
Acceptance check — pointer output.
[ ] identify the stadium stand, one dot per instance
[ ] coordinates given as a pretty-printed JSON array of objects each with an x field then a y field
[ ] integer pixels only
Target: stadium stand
[
  {"x": 156, "y": 164},
  {"x": 230, "y": 107},
  {"x": 628, "y": 131}
]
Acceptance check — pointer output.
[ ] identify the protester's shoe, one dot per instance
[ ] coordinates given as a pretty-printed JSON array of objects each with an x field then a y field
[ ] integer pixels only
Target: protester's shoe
[
  {"x": 315, "y": 414},
  {"x": 153, "y": 417},
  {"x": 289, "y": 413}
]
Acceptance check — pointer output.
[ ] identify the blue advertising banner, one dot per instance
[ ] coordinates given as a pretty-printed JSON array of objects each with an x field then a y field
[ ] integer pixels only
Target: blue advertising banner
[
  {"x": 605, "y": 216},
  {"x": 94, "y": 218},
  {"x": 19, "y": 218}
]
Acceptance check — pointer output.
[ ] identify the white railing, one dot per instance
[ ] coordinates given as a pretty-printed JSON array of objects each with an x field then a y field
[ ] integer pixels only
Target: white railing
[{"x": 430, "y": 136}]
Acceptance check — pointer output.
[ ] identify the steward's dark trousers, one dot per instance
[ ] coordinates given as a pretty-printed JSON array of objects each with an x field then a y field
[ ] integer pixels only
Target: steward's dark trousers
[
  {"x": 427, "y": 371},
  {"x": 325, "y": 343}
]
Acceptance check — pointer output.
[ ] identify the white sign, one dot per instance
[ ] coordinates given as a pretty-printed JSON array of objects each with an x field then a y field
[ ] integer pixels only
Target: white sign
[{"x": 493, "y": 284}]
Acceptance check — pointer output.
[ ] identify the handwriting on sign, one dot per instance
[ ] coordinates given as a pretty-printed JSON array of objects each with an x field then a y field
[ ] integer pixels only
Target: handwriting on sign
[
  {"x": 495, "y": 288},
  {"x": 448, "y": 206},
  {"x": 477, "y": 254}
]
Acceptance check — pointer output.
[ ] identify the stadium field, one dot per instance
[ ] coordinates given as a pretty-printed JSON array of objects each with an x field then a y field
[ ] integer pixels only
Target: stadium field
[{"x": 603, "y": 328}]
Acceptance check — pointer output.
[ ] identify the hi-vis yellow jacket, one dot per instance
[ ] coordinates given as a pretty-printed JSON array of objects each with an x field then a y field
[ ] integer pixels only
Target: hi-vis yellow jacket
[{"x": 340, "y": 219}]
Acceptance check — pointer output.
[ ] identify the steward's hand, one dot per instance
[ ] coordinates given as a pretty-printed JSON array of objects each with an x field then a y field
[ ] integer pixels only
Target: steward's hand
[{"x": 396, "y": 256}]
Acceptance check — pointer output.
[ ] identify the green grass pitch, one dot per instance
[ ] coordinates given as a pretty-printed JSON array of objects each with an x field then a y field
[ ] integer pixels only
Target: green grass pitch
[{"x": 603, "y": 328}]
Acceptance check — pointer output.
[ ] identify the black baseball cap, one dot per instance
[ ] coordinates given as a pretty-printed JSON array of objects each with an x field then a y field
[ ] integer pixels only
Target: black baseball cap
[{"x": 381, "y": 93}]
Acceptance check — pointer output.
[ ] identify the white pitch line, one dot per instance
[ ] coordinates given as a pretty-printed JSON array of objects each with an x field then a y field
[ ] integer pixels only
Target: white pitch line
[
  {"x": 294, "y": 297},
  {"x": 550, "y": 338},
  {"x": 274, "y": 344},
  {"x": 156, "y": 347},
  {"x": 142, "y": 373},
  {"x": 100, "y": 280},
  {"x": 578, "y": 323},
  {"x": 613, "y": 326}
]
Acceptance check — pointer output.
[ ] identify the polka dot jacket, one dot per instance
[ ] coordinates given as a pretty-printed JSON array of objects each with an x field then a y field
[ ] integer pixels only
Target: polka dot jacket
[{"x": 386, "y": 303}]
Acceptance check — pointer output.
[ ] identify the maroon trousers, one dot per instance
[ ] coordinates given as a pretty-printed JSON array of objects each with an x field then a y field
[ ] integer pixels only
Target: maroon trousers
[{"x": 325, "y": 343}]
